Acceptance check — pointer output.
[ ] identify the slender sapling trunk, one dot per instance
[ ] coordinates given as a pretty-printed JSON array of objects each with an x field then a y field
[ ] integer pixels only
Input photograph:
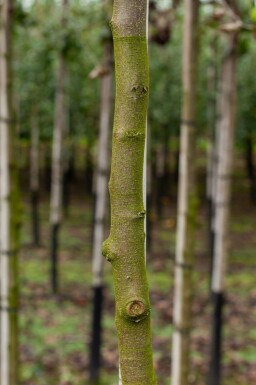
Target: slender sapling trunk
[
  {"x": 57, "y": 158},
  {"x": 187, "y": 203},
  {"x": 125, "y": 247},
  {"x": 227, "y": 99}
]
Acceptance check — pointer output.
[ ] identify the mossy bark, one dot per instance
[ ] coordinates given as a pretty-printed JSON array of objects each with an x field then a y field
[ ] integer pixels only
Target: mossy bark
[
  {"x": 125, "y": 247},
  {"x": 187, "y": 203}
]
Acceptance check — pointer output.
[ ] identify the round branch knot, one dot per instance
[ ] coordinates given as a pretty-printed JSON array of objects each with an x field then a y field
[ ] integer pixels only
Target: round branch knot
[{"x": 136, "y": 308}]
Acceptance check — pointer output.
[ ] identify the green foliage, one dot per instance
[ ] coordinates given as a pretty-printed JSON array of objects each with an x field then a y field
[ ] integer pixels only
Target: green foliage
[
  {"x": 253, "y": 14},
  {"x": 37, "y": 44},
  {"x": 246, "y": 93}
]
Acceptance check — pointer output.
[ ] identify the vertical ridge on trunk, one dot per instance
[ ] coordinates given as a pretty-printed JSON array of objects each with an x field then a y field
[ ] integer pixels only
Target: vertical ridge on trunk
[
  {"x": 57, "y": 158},
  {"x": 125, "y": 247},
  {"x": 226, "y": 131},
  {"x": 187, "y": 203}
]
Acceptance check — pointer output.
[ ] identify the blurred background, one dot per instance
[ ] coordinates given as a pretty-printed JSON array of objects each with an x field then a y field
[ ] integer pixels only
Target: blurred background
[{"x": 62, "y": 62}]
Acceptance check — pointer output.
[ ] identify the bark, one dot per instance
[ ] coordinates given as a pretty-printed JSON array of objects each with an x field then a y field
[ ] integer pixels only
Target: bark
[
  {"x": 34, "y": 180},
  {"x": 125, "y": 247},
  {"x": 9, "y": 207},
  {"x": 187, "y": 204},
  {"x": 101, "y": 190},
  {"x": 57, "y": 158},
  {"x": 222, "y": 203}
]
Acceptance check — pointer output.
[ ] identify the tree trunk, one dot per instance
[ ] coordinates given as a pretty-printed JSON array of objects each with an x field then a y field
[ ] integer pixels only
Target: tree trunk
[
  {"x": 187, "y": 203},
  {"x": 34, "y": 180},
  {"x": 57, "y": 158},
  {"x": 100, "y": 211},
  {"x": 222, "y": 203},
  {"x": 125, "y": 247},
  {"x": 9, "y": 207},
  {"x": 212, "y": 77},
  {"x": 66, "y": 163}
]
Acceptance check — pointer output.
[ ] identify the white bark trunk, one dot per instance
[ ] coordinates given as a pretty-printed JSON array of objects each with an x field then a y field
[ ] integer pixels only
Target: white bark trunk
[
  {"x": 4, "y": 198},
  {"x": 186, "y": 203},
  {"x": 211, "y": 150},
  {"x": 224, "y": 167},
  {"x": 101, "y": 182},
  {"x": 59, "y": 127}
]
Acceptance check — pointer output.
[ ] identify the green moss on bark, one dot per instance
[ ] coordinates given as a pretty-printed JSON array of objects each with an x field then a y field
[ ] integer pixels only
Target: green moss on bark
[{"x": 125, "y": 247}]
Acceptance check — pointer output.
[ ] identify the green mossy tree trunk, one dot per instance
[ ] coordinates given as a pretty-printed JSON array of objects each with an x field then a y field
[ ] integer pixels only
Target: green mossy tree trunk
[
  {"x": 125, "y": 247},
  {"x": 187, "y": 203},
  {"x": 9, "y": 207}
]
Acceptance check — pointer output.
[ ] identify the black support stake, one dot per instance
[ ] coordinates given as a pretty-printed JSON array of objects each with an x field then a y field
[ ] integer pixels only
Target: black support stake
[
  {"x": 214, "y": 375},
  {"x": 54, "y": 257},
  {"x": 95, "y": 359}
]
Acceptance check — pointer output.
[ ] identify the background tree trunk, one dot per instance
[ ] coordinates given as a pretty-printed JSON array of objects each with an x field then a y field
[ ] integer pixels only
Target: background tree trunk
[
  {"x": 187, "y": 203},
  {"x": 9, "y": 210},
  {"x": 227, "y": 100},
  {"x": 212, "y": 77},
  {"x": 125, "y": 247},
  {"x": 67, "y": 161},
  {"x": 100, "y": 211},
  {"x": 57, "y": 158}
]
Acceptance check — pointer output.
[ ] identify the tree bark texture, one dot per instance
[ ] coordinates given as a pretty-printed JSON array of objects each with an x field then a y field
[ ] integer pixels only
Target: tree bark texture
[
  {"x": 9, "y": 207},
  {"x": 187, "y": 203},
  {"x": 125, "y": 247},
  {"x": 226, "y": 132}
]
